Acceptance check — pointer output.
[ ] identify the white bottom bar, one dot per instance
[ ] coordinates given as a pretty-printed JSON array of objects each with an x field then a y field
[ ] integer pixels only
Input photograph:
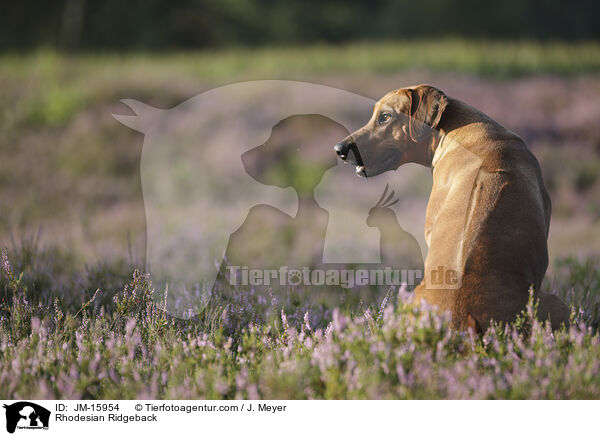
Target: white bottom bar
[{"x": 308, "y": 417}]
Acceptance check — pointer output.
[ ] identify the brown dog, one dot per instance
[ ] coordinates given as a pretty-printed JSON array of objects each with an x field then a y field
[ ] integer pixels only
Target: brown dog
[{"x": 488, "y": 214}]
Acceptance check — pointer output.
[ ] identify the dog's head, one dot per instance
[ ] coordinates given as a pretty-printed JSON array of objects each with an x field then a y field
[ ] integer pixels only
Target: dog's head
[{"x": 399, "y": 131}]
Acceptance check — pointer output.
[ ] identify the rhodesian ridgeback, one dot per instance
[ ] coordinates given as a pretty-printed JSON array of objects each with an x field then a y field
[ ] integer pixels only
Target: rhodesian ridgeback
[{"x": 488, "y": 214}]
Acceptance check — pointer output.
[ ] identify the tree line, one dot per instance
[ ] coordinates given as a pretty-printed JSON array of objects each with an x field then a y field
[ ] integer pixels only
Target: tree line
[{"x": 117, "y": 25}]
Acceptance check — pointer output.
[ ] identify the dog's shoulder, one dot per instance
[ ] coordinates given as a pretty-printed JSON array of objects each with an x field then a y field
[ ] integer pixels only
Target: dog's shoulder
[
  {"x": 470, "y": 124},
  {"x": 499, "y": 148}
]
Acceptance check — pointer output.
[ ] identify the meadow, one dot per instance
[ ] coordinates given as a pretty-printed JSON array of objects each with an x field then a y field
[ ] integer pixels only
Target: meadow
[
  {"x": 128, "y": 347},
  {"x": 79, "y": 318}
]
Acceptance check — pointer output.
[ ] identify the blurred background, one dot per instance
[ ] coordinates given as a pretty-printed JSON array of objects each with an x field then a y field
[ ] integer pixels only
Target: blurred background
[
  {"x": 70, "y": 191},
  {"x": 191, "y": 24}
]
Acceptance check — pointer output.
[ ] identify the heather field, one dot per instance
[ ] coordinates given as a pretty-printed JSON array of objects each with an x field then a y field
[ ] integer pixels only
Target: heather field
[
  {"x": 128, "y": 347},
  {"x": 79, "y": 317}
]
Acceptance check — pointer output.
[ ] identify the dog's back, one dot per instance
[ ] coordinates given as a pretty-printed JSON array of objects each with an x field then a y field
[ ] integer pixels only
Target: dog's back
[{"x": 488, "y": 217}]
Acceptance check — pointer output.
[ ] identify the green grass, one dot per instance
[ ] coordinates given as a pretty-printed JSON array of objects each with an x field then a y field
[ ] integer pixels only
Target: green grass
[
  {"x": 66, "y": 86},
  {"x": 496, "y": 58}
]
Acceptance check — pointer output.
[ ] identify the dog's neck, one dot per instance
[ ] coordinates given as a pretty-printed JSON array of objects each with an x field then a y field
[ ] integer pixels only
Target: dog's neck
[
  {"x": 434, "y": 147},
  {"x": 434, "y": 142},
  {"x": 449, "y": 130}
]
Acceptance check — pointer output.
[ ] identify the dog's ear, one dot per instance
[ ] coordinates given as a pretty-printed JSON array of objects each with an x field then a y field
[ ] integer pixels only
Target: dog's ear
[{"x": 427, "y": 104}]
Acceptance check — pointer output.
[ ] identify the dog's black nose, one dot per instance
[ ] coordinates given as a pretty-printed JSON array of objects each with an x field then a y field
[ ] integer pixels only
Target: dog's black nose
[{"x": 342, "y": 148}]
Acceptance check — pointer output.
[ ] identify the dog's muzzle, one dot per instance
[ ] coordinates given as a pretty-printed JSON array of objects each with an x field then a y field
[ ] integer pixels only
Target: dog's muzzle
[{"x": 343, "y": 150}]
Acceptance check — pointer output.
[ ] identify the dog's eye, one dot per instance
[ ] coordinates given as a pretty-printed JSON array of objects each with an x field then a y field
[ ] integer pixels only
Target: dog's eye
[{"x": 384, "y": 117}]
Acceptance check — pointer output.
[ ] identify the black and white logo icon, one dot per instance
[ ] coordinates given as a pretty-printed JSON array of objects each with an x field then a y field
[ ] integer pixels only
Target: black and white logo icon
[{"x": 26, "y": 415}]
